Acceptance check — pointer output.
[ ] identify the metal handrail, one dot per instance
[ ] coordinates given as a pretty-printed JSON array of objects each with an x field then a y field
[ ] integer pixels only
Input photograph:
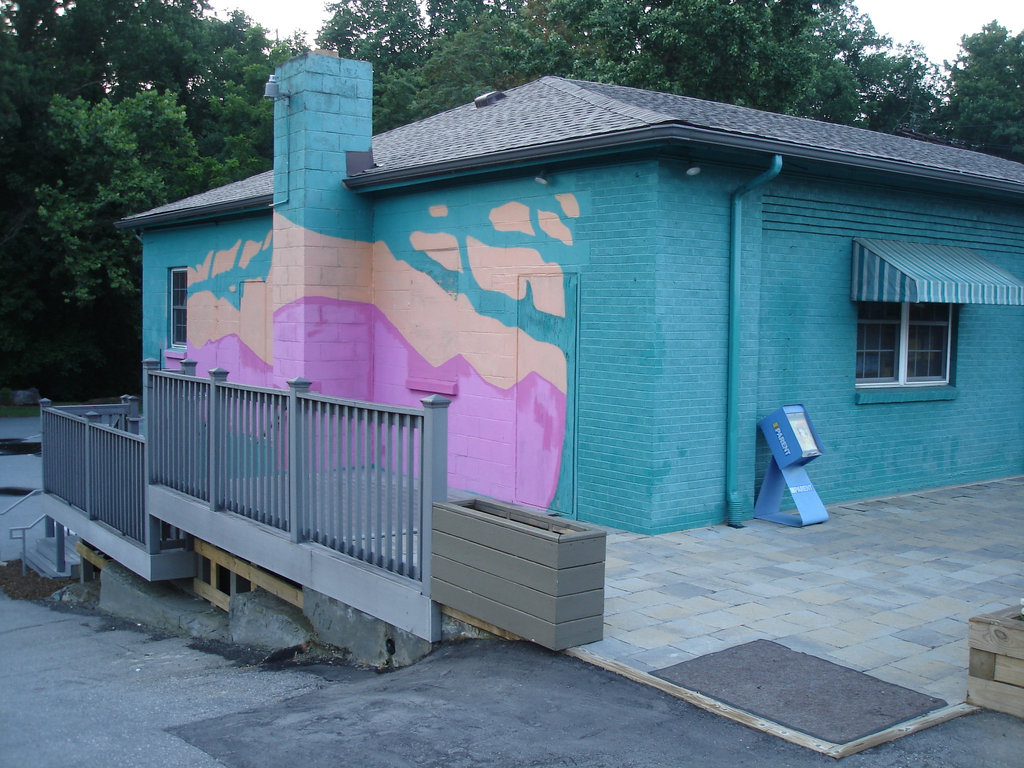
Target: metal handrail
[
  {"x": 26, "y": 497},
  {"x": 23, "y": 529}
]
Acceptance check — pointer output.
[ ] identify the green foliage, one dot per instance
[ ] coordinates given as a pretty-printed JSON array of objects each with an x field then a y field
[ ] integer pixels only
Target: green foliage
[
  {"x": 748, "y": 52},
  {"x": 107, "y": 108},
  {"x": 110, "y": 107},
  {"x": 815, "y": 59},
  {"x": 495, "y": 51},
  {"x": 387, "y": 33},
  {"x": 858, "y": 77},
  {"x": 986, "y": 93}
]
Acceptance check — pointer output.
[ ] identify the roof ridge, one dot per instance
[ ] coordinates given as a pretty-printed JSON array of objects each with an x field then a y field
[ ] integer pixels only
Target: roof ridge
[
  {"x": 769, "y": 115},
  {"x": 574, "y": 88}
]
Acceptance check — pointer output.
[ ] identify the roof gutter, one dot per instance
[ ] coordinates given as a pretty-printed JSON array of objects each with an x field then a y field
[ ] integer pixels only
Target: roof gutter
[
  {"x": 734, "y": 509},
  {"x": 249, "y": 205},
  {"x": 665, "y": 133}
]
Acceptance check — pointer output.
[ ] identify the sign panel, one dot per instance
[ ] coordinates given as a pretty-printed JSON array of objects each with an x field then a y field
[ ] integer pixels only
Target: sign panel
[{"x": 794, "y": 443}]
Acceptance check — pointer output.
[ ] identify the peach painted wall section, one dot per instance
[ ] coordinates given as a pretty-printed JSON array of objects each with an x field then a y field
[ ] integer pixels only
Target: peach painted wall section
[{"x": 435, "y": 308}]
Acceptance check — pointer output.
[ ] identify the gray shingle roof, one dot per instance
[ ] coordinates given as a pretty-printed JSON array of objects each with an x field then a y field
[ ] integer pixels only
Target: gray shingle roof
[
  {"x": 857, "y": 142},
  {"x": 240, "y": 194},
  {"x": 556, "y": 110},
  {"x": 556, "y": 115}
]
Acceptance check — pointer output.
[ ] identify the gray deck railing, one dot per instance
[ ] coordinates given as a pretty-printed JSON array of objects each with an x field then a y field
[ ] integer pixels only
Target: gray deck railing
[
  {"x": 359, "y": 478},
  {"x": 96, "y": 467}
]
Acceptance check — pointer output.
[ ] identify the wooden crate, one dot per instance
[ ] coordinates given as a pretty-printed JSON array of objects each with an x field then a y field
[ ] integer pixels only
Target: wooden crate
[
  {"x": 535, "y": 576},
  {"x": 996, "y": 678}
]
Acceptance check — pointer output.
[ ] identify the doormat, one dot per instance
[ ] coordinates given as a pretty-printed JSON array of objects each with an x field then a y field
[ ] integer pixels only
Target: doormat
[{"x": 800, "y": 691}]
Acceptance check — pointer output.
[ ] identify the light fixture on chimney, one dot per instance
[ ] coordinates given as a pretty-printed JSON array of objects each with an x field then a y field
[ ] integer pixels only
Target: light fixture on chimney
[
  {"x": 272, "y": 90},
  {"x": 542, "y": 178},
  {"x": 692, "y": 169}
]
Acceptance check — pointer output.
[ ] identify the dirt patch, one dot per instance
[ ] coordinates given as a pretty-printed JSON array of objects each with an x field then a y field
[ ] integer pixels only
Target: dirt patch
[{"x": 31, "y": 586}]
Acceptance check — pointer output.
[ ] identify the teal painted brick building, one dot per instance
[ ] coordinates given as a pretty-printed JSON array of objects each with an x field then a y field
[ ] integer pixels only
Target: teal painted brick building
[{"x": 571, "y": 263}]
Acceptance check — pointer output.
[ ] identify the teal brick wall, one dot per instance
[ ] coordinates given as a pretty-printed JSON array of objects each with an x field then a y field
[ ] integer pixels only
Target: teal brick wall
[
  {"x": 616, "y": 359},
  {"x": 807, "y": 331},
  {"x": 649, "y": 260},
  {"x": 193, "y": 246},
  {"x": 797, "y": 345},
  {"x": 619, "y": 354},
  {"x": 691, "y": 327}
]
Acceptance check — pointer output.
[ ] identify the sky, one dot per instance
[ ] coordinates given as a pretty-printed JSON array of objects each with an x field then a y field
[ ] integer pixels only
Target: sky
[{"x": 937, "y": 25}]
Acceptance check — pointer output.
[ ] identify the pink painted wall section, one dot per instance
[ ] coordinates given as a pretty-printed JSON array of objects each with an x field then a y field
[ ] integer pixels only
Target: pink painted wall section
[
  {"x": 332, "y": 339},
  {"x": 363, "y": 323},
  {"x": 230, "y": 353},
  {"x": 504, "y": 443},
  {"x": 496, "y": 446}
]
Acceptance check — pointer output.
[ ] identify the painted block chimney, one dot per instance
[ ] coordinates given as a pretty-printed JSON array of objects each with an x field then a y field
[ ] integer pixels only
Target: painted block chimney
[{"x": 322, "y": 231}]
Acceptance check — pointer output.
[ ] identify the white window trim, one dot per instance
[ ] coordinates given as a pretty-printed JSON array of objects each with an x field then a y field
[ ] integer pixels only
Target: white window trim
[
  {"x": 901, "y": 363},
  {"x": 170, "y": 307}
]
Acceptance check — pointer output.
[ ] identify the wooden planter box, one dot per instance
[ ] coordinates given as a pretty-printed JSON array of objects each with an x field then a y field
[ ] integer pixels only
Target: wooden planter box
[
  {"x": 996, "y": 678},
  {"x": 538, "y": 577}
]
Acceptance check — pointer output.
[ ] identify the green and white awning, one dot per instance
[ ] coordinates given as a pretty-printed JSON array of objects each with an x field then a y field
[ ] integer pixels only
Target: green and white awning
[{"x": 897, "y": 270}]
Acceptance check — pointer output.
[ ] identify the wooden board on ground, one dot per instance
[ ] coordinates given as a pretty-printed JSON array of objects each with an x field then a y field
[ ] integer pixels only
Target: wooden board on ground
[{"x": 767, "y": 726}]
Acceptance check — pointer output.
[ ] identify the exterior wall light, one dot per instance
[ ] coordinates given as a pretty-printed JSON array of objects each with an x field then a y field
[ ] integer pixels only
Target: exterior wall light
[{"x": 272, "y": 90}]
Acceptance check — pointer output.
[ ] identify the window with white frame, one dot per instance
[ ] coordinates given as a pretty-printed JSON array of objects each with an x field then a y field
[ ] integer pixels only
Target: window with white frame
[
  {"x": 903, "y": 344},
  {"x": 178, "y": 301}
]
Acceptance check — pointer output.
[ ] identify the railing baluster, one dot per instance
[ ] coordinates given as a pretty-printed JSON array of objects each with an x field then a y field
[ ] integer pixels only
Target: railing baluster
[
  {"x": 346, "y": 462},
  {"x": 389, "y": 501}
]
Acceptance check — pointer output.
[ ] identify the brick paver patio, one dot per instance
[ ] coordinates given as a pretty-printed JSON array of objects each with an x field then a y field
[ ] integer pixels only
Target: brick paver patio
[{"x": 885, "y": 586}]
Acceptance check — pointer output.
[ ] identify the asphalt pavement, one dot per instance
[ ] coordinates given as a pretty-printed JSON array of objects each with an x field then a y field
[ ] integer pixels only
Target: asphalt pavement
[{"x": 81, "y": 688}]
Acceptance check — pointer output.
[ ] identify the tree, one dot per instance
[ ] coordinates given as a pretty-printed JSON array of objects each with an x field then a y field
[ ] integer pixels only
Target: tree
[
  {"x": 108, "y": 108},
  {"x": 390, "y": 34},
  {"x": 495, "y": 51},
  {"x": 447, "y": 17},
  {"x": 747, "y": 52},
  {"x": 986, "y": 93},
  {"x": 76, "y": 304},
  {"x": 858, "y": 77}
]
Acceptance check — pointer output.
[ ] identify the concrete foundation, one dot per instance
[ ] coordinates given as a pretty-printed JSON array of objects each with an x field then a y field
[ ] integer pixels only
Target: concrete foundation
[
  {"x": 363, "y": 638},
  {"x": 159, "y": 605},
  {"x": 262, "y": 620}
]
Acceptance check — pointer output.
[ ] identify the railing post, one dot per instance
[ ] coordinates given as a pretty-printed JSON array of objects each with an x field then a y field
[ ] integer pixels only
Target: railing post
[
  {"x": 435, "y": 475},
  {"x": 188, "y": 367},
  {"x": 296, "y": 457},
  {"x": 131, "y": 403},
  {"x": 91, "y": 418},
  {"x": 218, "y": 376},
  {"x": 149, "y": 364},
  {"x": 44, "y": 403},
  {"x": 58, "y": 559},
  {"x": 136, "y": 426}
]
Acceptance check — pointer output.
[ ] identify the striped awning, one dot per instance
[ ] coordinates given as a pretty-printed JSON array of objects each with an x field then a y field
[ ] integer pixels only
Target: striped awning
[{"x": 897, "y": 270}]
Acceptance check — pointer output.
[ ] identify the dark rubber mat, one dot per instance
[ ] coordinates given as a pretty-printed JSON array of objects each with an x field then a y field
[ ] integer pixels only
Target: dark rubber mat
[{"x": 800, "y": 691}]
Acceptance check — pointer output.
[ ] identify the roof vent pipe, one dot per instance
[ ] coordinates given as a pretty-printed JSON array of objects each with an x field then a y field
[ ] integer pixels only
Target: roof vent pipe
[
  {"x": 486, "y": 99},
  {"x": 734, "y": 510}
]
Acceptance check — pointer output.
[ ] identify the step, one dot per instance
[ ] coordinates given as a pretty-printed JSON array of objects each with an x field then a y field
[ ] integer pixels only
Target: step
[{"x": 42, "y": 558}]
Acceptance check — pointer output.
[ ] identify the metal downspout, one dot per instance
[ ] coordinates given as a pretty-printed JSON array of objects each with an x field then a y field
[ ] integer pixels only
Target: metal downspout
[{"x": 734, "y": 510}]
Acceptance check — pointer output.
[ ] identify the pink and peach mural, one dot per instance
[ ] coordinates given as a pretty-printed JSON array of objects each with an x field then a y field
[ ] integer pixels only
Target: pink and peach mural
[{"x": 484, "y": 319}]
